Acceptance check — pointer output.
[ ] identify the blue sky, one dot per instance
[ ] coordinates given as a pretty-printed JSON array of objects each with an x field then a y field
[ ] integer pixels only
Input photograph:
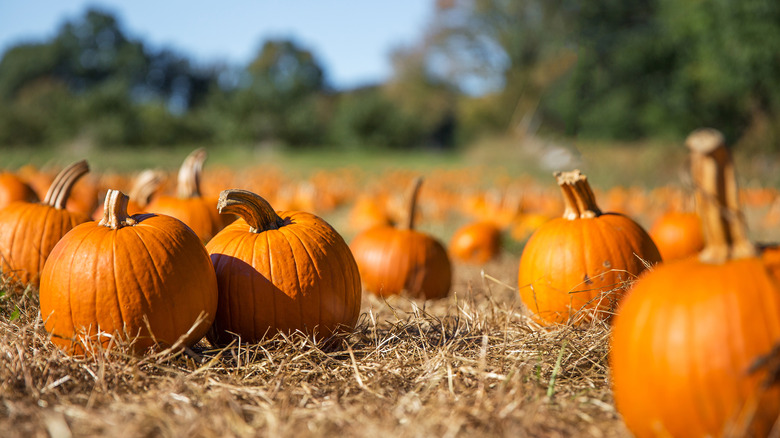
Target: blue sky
[{"x": 351, "y": 38}]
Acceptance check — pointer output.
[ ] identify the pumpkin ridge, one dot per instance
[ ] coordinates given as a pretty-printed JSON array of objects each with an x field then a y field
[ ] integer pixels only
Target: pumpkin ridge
[
  {"x": 328, "y": 234},
  {"x": 269, "y": 260},
  {"x": 44, "y": 238},
  {"x": 14, "y": 234},
  {"x": 73, "y": 328},
  {"x": 314, "y": 257},
  {"x": 297, "y": 277}
]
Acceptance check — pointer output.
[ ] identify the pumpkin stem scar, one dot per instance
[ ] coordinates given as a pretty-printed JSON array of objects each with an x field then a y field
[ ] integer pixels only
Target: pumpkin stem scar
[
  {"x": 579, "y": 200},
  {"x": 717, "y": 201},
  {"x": 115, "y": 211},
  {"x": 255, "y": 210},
  {"x": 59, "y": 192}
]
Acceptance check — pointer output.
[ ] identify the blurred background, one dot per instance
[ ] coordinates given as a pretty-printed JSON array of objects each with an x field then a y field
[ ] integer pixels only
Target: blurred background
[{"x": 501, "y": 80}]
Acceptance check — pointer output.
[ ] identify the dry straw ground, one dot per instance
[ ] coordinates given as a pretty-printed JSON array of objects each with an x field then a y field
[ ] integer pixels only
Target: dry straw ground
[{"x": 469, "y": 365}]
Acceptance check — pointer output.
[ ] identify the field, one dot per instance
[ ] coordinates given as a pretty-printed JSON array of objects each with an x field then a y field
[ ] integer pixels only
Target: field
[{"x": 472, "y": 364}]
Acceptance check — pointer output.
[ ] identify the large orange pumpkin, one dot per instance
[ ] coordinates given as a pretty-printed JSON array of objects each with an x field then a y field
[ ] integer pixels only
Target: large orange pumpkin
[
  {"x": 146, "y": 279},
  {"x": 574, "y": 268},
  {"x": 29, "y": 231},
  {"x": 392, "y": 260},
  {"x": 689, "y": 339},
  {"x": 280, "y": 271},
  {"x": 189, "y": 205}
]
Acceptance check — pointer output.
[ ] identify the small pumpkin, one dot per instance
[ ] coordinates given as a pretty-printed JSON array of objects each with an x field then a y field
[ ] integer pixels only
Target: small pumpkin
[
  {"x": 13, "y": 188},
  {"x": 189, "y": 205},
  {"x": 677, "y": 235},
  {"x": 689, "y": 340},
  {"x": 476, "y": 242},
  {"x": 146, "y": 279},
  {"x": 29, "y": 231},
  {"x": 392, "y": 260},
  {"x": 280, "y": 271},
  {"x": 573, "y": 268}
]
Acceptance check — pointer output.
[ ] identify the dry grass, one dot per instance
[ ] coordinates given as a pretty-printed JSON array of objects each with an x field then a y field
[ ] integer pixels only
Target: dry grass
[{"x": 469, "y": 365}]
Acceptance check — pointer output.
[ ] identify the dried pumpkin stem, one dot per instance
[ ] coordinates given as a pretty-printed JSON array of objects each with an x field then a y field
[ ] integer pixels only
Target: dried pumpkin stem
[
  {"x": 255, "y": 210},
  {"x": 414, "y": 192},
  {"x": 188, "y": 183},
  {"x": 58, "y": 193},
  {"x": 145, "y": 185},
  {"x": 115, "y": 211},
  {"x": 579, "y": 200},
  {"x": 717, "y": 199}
]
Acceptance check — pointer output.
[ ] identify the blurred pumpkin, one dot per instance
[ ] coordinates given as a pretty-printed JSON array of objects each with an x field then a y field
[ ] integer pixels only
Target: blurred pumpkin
[
  {"x": 145, "y": 279},
  {"x": 13, "y": 188},
  {"x": 280, "y": 271},
  {"x": 677, "y": 235},
  {"x": 690, "y": 342},
  {"x": 476, "y": 242},
  {"x": 145, "y": 186},
  {"x": 392, "y": 260},
  {"x": 573, "y": 268}
]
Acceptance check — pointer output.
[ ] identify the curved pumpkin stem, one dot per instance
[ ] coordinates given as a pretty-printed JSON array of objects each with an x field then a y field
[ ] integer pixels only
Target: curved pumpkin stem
[
  {"x": 255, "y": 210},
  {"x": 578, "y": 197},
  {"x": 144, "y": 186},
  {"x": 115, "y": 211},
  {"x": 59, "y": 191},
  {"x": 414, "y": 192},
  {"x": 717, "y": 198},
  {"x": 188, "y": 183}
]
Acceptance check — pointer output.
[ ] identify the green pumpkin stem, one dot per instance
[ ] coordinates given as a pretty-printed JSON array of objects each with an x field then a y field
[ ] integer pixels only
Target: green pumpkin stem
[
  {"x": 59, "y": 192},
  {"x": 188, "y": 182},
  {"x": 717, "y": 199},
  {"x": 578, "y": 197},
  {"x": 411, "y": 210},
  {"x": 115, "y": 211},
  {"x": 144, "y": 186},
  {"x": 255, "y": 210}
]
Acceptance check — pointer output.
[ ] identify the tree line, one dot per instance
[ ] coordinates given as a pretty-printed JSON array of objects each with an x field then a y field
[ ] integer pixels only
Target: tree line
[{"x": 609, "y": 70}]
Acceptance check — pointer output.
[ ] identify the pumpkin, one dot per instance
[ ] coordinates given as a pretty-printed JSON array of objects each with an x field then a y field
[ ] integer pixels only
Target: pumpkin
[
  {"x": 476, "y": 242},
  {"x": 689, "y": 340},
  {"x": 13, "y": 188},
  {"x": 144, "y": 279},
  {"x": 573, "y": 268},
  {"x": 145, "y": 185},
  {"x": 29, "y": 231},
  {"x": 677, "y": 234},
  {"x": 280, "y": 271},
  {"x": 189, "y": 205},
  {"x": 392, "y": 260}
]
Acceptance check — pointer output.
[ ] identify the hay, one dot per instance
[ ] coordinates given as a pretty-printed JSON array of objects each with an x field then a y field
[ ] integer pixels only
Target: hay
[{"x": 469, "y": 365}]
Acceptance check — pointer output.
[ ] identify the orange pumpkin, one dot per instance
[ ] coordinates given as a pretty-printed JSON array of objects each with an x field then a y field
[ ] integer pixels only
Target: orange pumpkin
[
  {"x": 145, "y": 185},
  {"x": 280, "y": 271},
  {"x": 677, "y": 235},
  {"x": 690, "y": 340},
  {"x": 146, "y": 279},
  {"x": 392, "y": 260},
  {"x": 13, "y": 188},
  {"x": 29, "y": 231},
  {"x": 573, "y": 268},
  {"x": 476, "y": 242},
  {"x": 188, "y": 205}
]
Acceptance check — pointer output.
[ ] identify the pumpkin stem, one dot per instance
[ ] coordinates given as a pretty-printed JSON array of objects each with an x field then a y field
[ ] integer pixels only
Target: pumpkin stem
[
  {"x": 188, "y": 183},
  {"x": 144, "y": 186},
  {"x": 255, "y": 210},
  {"x": 58, "y": 193},
  {"x": 717, "y": 198},
  {"x": 579, "y": 200},
  {"x": 115, "y": 211},
  {"x": 414, "y": 192}
]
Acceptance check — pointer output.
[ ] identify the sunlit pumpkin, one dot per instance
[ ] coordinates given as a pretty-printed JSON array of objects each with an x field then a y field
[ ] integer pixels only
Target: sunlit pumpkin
[
  {"x": 280, "y": 271},
  {"x": 392, "y": 260},
  {"x": 574, "y": 268},
  {"x": 13, "y": 188},
  {"x": 188, "y": 205},
  {"x": 29, "y": 230},
  {"x": 677, "y": 234},
  {"x": 690, "y": 339},
  {"x": 476, "y": 242},
  {"x": 145, "y": 279}
]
